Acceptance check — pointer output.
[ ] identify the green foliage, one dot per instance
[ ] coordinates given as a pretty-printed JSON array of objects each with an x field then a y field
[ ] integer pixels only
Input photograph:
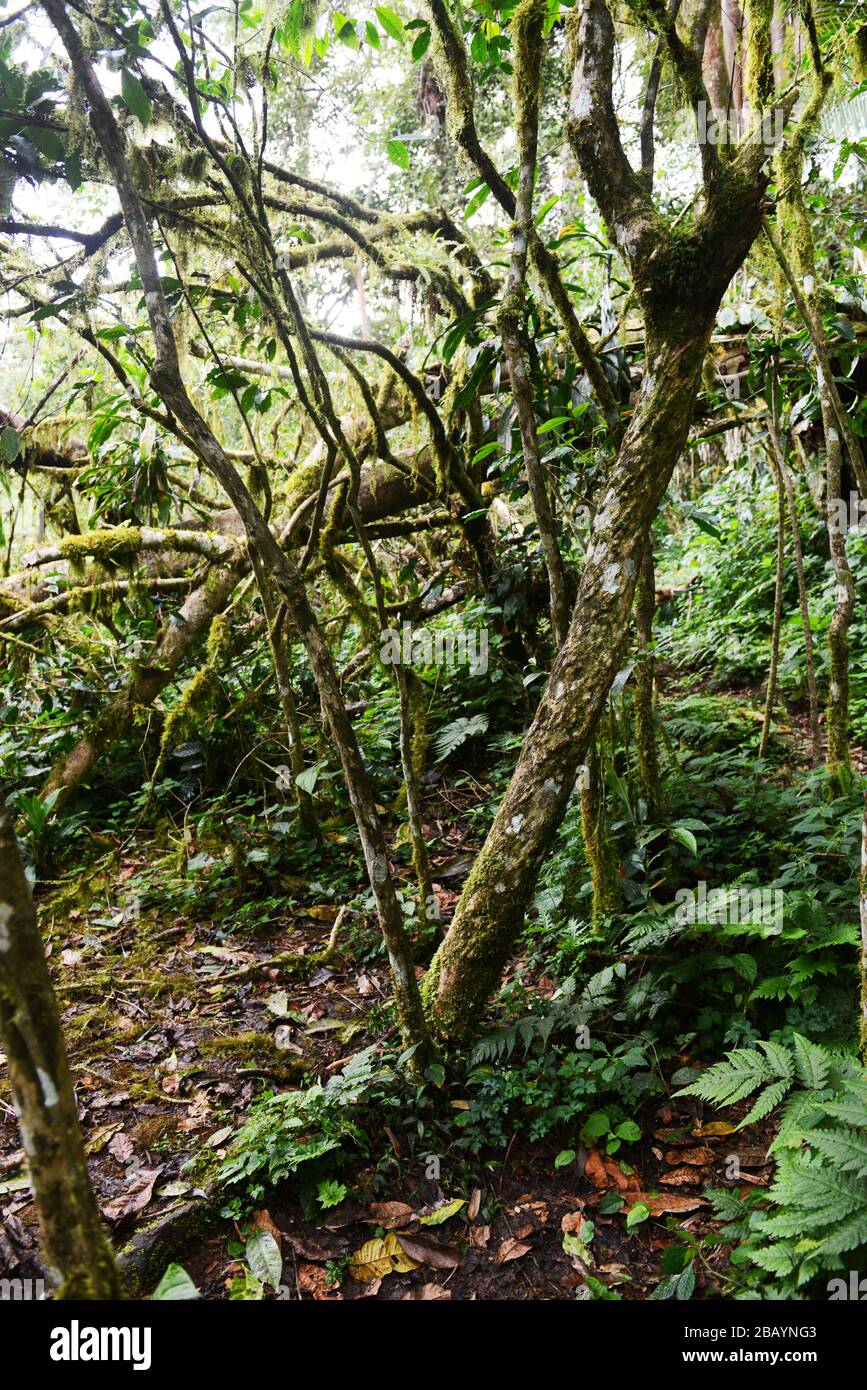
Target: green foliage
[{"x": 816, "y": 1219}]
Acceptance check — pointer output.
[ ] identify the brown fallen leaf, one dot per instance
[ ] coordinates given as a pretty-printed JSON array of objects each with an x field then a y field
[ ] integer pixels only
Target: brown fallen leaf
[
  {"x": 479, "y": 1237},
  {"x": 427, "y": 1293},
  {"x": 697, "y": 1158},
  {"x": 666, "y": 1203},
  {"x": 312, "y": 1281},
  {"x": 390, "y": 1214},
  {"x": 537, "y": 1209},
  {"x": 680, "y": 1177},
  {"x": 121, "y": 1147},
  {"x": 309, "y": 1249},
  {"x": 525, "y": 1229},
  {"x": 265, "y": 1222},
  {"x": 136, "y": 1197},
  {"x": 474, "y": 1203},
  {"x": 572, "y": 1223},
  {"x": 426, "y": 1251},
  {"x": 511, "y": 1249},
  {"x": 595, "y": 1170}
]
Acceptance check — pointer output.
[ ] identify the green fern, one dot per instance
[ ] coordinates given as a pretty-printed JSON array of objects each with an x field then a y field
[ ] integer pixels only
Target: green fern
[
  {"x": 817, "y": 1214},
  {"x": 456, "y": 733}
]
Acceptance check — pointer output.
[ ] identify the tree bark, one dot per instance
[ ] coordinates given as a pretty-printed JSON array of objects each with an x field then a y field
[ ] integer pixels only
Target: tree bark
[
  {"x": 79, "y": 1258},
  {"x": 491, "y": 909},
  {"x": 646, "y": 747}
]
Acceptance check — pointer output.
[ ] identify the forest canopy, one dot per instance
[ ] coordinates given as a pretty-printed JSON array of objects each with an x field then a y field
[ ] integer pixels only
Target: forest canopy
[{"x": 433, "y": 480}]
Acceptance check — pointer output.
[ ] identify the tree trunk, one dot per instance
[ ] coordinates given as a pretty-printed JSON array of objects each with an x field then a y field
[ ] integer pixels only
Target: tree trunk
[
  {"x": 646, "y": 748},
  {"x": 600, "y": 853},
  {"x": 490, "y": 913},
  {"x": 78, "y": 1256},
  {"x": 771, "y": 692}
]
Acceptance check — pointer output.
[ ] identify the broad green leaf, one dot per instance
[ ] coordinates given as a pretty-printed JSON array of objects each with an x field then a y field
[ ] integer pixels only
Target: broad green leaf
[
  {"x": 637, "y": 1214},
  {"x": 398, "y": 153},
  {"x": 436, "y": 1218},
  {"x": 685, "y": 837},
  {"x": 175, "y": 1284},
  {"x": 264, "y": 1258},
  {"x": 420, "y": 45},
  {"x": 135, "y": 97},
  {"x": 391, "y": 23},
  {"x": 10, "y": 443}
]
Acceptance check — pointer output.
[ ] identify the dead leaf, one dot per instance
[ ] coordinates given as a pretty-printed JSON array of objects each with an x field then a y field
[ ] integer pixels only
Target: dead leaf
[
  {"x": 595, "y": 1169},
  {"x": 377, "y": 1258},
  {"x": 426, "y": 1251},
  {"x": 321, "y": 912},
  {"x": 572, "y": 1223},
  {"x": 313, "y": 1280},
  {"x": 479, "y": 1237},
  {"x": 122, "y": 1148},
  {"x": 100, "y": 1137},
  {"x": 680, "y": 1177},
  {"x": 474, "y": 1203},
  {"x": 666, "y": 1203},
  {"x": 714, "y": 1128},
  {"x": 136, "y": 1197},
  {"x": 264, "y": 1221},
  {"x": 390, "y": 1214},
  {"x": 218, "y": 1137},
  {"x": 511, "y": 1249},
  {"x": 427, "y": 1293},
  {"x": 697, "y": 1158}
]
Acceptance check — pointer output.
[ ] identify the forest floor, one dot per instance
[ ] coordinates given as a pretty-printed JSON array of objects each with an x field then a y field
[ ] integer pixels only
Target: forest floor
[{"x": 175, "y": 1026}]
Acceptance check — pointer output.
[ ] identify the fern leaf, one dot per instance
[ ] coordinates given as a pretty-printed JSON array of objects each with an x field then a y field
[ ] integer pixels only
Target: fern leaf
[
  {"x": 767, "y": 1101},
  {"x": 812, "y": 1063},
  {"x": 846, "y": 1148}
]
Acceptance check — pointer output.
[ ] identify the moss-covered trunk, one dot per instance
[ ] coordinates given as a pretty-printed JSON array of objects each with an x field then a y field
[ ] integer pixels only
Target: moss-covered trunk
[
  {"x": 76, "y": 1252},
  {"x": 147, "y": 680},
  {"x": 598, "y": 847},
  {"x": 646, "y": 747},
  {"x": 491, "y": 910}
]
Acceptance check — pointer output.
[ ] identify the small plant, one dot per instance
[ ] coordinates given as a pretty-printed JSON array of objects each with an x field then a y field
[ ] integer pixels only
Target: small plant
[{"x": 817, "y": 1215}]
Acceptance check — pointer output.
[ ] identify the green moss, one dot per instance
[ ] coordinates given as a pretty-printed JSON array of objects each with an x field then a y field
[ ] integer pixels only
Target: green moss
[
  {"x": 102, "y": 544},
  {"x": 859, "y": 53},
  {"x": 759, "y": 78},
  {"x": 253, "y": 1047}
]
